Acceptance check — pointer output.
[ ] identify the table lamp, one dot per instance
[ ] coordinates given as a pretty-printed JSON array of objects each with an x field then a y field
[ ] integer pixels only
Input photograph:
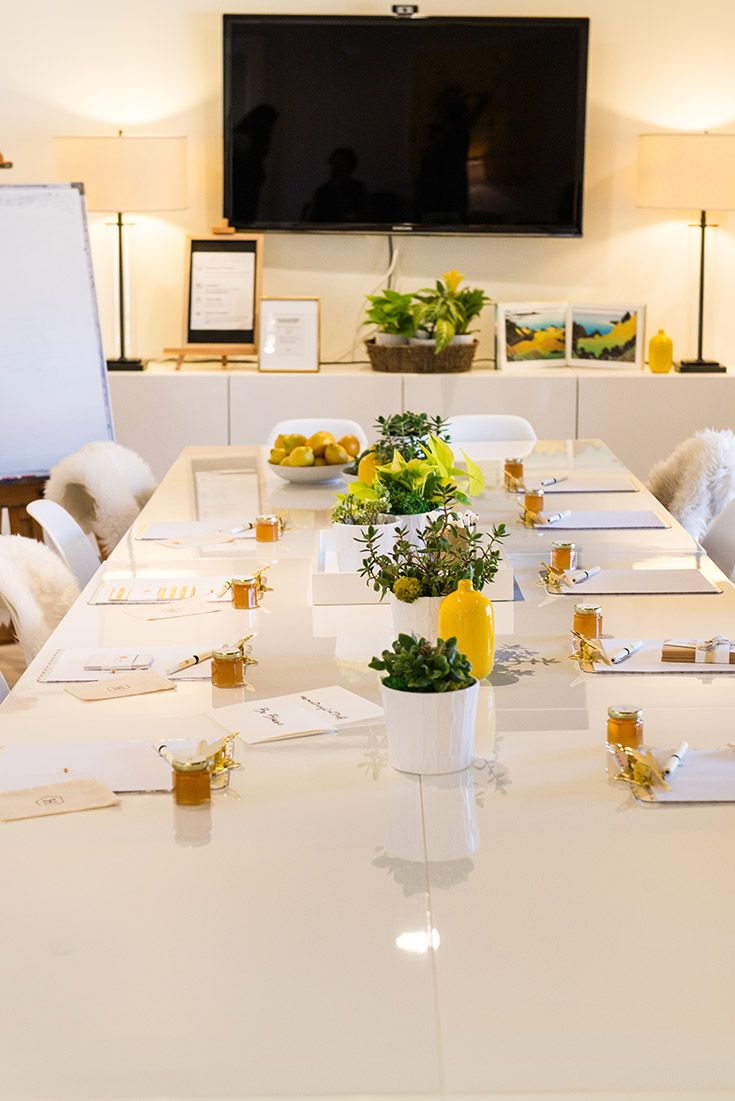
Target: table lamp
[
  {"x": 689, "y": 172},
  {"x": 125, "y": 175}
]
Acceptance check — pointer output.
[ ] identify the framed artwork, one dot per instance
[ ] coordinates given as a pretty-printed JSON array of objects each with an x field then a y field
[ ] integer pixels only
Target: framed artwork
[
  {"x": 289, "y": 334},
  {"x": 531, "y": 334},
  {"x": 606, "y": 336},
  {"x": 563, "y": 334}
]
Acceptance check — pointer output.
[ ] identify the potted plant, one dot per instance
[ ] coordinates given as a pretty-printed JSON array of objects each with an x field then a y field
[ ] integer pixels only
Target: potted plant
[
  {"x": 404, "y": 432},
  {"x": 471, "y": 301},
  {"x": 443, "y": 311},
  {"x": 430, "y": 704},
  {"x": 392, "y": 313},
  {"x": 350, "y": 517},
  {"x": 416, "y": 576}
]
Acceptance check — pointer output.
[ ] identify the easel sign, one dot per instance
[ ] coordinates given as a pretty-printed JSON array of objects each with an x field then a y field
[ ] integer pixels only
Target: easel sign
[
  {"x": 221, "y": 296},
  {"x": 289, "y": 334}
]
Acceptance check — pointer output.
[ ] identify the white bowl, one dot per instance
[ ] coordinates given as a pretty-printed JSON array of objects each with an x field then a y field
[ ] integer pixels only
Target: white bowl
[{"x": 313, "y": 475}]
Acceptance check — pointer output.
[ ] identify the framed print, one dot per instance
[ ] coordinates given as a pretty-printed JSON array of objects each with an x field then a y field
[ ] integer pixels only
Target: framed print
[
  {"x": 605, "y": 336},
  {"x": 531, "y": 334},
  {"x": 289, "y": 334}
]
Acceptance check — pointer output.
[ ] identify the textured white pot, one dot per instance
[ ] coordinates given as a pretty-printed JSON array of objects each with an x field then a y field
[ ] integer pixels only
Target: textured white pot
[
  {"x": 462, "y": 338},
  {"x": 420, "y": 618},
  {"x": 414, "y": 523},
  {"x": 390, "y": 339},
  {"x": 349, "y": 552},
  {"x": 430, "y": 732}
]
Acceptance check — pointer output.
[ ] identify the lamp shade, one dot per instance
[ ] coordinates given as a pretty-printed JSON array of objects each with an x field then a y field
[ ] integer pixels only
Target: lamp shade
[
  {"x": 686, "y": 171},
  {"x": 126, "y": 174}
]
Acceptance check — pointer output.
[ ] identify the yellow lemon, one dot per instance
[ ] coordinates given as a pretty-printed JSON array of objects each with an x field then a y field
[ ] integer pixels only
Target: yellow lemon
[
  {"x": 280, "y": 442},
  {"x": 301, "y": 456},
  {"x": 277, "y": 455},
  {"x": 334, "y": 453},
  {"x": 319, "y": 441},
  {"x": 319, "y": 461},
  {"x": 366, "y": 470},
  {"x": 294, "y": 440},
  {"x": 351, "y": 445}
]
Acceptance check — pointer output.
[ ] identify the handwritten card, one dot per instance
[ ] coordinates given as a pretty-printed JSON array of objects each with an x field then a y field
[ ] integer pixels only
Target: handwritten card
[{"x": 314, "y": 711}]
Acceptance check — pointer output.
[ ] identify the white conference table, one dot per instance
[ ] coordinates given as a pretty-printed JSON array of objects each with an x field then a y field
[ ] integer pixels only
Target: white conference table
[{"x": 523, "y": 929}]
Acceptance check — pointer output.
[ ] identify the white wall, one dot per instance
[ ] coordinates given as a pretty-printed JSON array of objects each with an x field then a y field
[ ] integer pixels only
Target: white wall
[{"x": 154, "y": 67}]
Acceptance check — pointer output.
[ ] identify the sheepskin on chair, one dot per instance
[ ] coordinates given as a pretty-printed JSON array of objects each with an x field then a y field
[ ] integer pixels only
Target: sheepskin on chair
[
  {"x": 36, "y": 590},
  {"x": 697, "y": 480},
  {"x": 104, "y": 486}
]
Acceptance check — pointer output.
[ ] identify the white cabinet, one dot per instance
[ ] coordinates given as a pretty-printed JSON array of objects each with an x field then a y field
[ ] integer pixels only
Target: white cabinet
[{"x": 159, "y": 414}]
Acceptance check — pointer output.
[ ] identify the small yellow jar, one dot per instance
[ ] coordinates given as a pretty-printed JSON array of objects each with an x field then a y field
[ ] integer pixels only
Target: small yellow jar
[
  {"x": 192, "y": 785},
  {"x": 564, "y": 556},
  {"x": 267, "y": 529},
  {"x": 468, "y": 616},
  {"x": 512, "y": 473},
  {"x": 625, "y": 726},
  {"x": 245, "y": 592},
  {"x": 534, "y": 500},
  {"x": 588, "y": 620},
  {"x": 228, "y": 667}
]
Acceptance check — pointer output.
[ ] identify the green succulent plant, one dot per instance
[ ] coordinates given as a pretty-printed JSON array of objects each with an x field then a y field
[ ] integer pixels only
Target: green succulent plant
[{"x": 417, "y": 665}]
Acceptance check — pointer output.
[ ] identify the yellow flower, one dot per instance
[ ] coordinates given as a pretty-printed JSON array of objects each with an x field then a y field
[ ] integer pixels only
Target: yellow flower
[
  {"x": 452, "y": 279},
  {"x": 407, "y": 589}
]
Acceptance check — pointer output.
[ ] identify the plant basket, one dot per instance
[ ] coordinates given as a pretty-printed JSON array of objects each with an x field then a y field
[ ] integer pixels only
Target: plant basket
[{"x": 413, "y": 359}]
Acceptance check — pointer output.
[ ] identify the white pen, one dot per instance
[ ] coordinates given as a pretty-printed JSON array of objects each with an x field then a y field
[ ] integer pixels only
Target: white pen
[
  {"x": 552, "y": 519},
  {"x": 187, "y": 662},
  {"x": 552, "y": 481},
  {"x": 626, "y": 652},
  {"x": 675, "y": 759},
  {"x": 584, "y": 575}
]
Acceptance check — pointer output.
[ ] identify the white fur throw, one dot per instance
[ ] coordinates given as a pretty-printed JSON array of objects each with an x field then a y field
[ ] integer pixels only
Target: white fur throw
[
  {"x": 697, "y": 480},
  {"x": 36, "y": 588},
  {"x": 104, "y": 486}
]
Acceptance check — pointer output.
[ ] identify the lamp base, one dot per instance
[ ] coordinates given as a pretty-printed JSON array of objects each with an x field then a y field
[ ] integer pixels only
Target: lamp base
[
  {"x": 700, "y": 367},
  {"x": 125, "y": 364}
]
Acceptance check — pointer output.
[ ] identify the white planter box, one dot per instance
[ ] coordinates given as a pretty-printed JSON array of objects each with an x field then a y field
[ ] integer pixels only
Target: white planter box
[{"x": 430, "y": 732}]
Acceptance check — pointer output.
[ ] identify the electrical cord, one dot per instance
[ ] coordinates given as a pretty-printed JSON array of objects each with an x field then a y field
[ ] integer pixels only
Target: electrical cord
[{"x": 386, "y": 280}]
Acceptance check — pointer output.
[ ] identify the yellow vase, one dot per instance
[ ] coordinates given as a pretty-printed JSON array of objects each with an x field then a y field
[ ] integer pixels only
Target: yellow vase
[
  {"x": 660, "y": 353},
  {"x": 468, "y": 616}
]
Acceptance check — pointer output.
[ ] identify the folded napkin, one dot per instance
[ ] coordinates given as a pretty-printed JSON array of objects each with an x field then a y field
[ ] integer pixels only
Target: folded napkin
[{"x": 50, "y": 799}]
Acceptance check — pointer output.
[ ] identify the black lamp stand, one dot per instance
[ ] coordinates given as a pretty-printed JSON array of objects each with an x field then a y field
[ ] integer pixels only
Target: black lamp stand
[
  {"x": 122, "y": 363},
  {"x": 700, "y": 365}
]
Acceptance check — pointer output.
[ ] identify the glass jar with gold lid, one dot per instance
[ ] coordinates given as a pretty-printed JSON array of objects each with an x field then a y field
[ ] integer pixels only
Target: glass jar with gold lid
[
  {"x": 228, "y": 667},
  {"x": 625, "y": 725},
  {"x": 564, "y": 556},
  {"x": 267, "y": 529},
  {"x": 192, "y": 784},
  {"x": 513, "y": 473},
  {"x": 245, "y": 592},
  {"x": 588, "y": 620},
  {"x": 534, "y": 499}
]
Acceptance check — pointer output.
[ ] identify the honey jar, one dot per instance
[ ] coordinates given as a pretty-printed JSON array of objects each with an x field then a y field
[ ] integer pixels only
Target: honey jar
[
  {"x": 588, "y": 620},
  {"x": 245, "y": 592},
  {"x": 228, "y": 667},
  {"x": 513, "y": 473},
  {"x": 267, "y": 529},
  {"x": 564, "y": 556},
  {"x": 192, "y": 785},
  {"x": 625, "y": 726},
  {"x": 534, "y": 500}
]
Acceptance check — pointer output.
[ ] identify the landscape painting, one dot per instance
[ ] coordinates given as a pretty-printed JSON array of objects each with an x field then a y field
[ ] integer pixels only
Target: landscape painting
[
  {"x": 532, "y": 334},
  {"x": 607, "y": 335}
]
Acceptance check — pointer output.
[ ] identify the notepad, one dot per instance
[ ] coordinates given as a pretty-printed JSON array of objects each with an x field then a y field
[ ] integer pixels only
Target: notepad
[
  {"x": 648, "y": 660},
  {"x": 180, "y": 530},
  {"x": 314, "y": 711},
  {"x": 68, "y": 666},
  {"x": 124, "y": 766},
  {"x": 613, "y": 520},
  {"x": 642, "y": 582},
  {"x": 617, "y": 483},
  {"x": 162, "y": 590},
  {"x": 705, "y": 776}
]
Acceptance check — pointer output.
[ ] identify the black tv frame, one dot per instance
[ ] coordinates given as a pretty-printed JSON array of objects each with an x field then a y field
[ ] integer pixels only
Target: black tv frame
[{"x": 411, "y": 228}]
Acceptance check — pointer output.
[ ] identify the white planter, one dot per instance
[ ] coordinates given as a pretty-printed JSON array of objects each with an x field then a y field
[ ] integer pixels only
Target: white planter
[
  {"x": 420, "y": 618},
  {"x": 422, "y": 341},
  {"x": 463, "y": 338},
  {"x": 349, "y": 552},
  {"x": 430, "y": 732},
  {"x": 414, "y": 523},
  {"x": 390, "y": 339}
]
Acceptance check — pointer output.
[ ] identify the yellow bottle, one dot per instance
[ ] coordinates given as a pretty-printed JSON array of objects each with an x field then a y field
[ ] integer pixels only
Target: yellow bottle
[
  {"x": 468, "y": 616},
  {"x": 660, "y": 353}
]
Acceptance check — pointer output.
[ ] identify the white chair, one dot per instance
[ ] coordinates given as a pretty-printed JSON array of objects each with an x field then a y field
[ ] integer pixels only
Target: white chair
[
  {"x": 62, "y": 533},
  {"x": 697, "y": 480},
  {"x": 3, "y": 688},
  {"x": 489, "y": 427},
  {"x": 307, "y": 426},
  {"x": 36, "y": 588},
  {"x": 103, "y": 486},
  {"x": 719, "y": 541}
]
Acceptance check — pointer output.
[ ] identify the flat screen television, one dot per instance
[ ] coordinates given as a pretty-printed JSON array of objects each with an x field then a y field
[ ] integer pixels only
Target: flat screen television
[{"x": 385, "y": 124}]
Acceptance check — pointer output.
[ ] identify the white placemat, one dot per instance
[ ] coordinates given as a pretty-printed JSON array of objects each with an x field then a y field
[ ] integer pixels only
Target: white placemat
[
  {"x": 648, "y": 660},
  {"x": 643, "y": 582},
  {"x": 614, "y": 520}
]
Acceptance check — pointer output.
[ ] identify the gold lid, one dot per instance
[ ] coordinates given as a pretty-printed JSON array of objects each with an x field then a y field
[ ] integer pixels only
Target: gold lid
[
  {"x": 624, "y": 711},
  {"x": 563, "y": 546},
  {"x": 189, "y": 766},
  {"x": 227, "y": 653},
  {"x": 244, "y": 581},
  {"x": 537, "y": 490},
  {"x": 588, "y": 609},
  {"x": 266, "y": 519},
  {"x": 514, "y": 461}
]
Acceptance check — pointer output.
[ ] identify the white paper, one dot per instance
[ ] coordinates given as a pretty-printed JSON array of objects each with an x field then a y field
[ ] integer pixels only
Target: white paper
[
  {"x": 163, "y": 590},
  {"x": 172, "y": 611},
  {"x": 648, "y": 660},
  {"x": 122, "y": 766},
  {"x": 67, "y": 666},
  {"x": 603, "y": 520},
  {"x": 704, "y": 776},
  {"x": 181, "y": 531},
  {"x": 222, "y": 288},
  {"x": 617, "y": 483},
  {"x": 635, "y": 582},
  {"x": 314, "y": 711}
]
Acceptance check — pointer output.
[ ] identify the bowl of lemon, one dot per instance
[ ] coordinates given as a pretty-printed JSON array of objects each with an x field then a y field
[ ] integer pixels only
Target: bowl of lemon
[{"x": 318, "y": 459}]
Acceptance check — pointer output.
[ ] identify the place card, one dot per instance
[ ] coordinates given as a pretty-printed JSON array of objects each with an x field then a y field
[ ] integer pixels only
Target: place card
[
  {"x": 120, "y": 686},
  {"x": 172, "y": 611},
  {"x": 315, "y": 711},
  {"x": 41, "y": 802}
]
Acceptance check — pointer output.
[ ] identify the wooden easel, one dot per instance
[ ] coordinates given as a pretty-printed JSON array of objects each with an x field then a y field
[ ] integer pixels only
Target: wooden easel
[{"x": 223, "y": 352}]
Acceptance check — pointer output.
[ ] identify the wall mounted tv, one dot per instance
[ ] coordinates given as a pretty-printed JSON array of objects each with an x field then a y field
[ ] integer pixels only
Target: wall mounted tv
[{"x": 385, "y": 124}]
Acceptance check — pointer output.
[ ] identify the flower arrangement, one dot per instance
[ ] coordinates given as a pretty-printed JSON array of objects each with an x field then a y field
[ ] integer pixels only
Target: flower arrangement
[
  {"x": 438, "y": 313},
  {"x": 417, "y": 665},
  {"x": 404, "y": 432}
]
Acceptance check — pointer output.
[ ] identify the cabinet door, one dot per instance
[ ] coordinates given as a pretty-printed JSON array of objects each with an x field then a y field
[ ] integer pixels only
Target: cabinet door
[
  {"x": 257, "y": 402},
  {"x": 158, "y": 415}
]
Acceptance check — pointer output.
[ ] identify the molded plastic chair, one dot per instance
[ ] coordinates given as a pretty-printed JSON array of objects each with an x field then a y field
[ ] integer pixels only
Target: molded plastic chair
[
  {"x": 63, "y": 534},
  {"x": 36, "y": 588},
  {"x": 307, "y": 426},
  {"x": 489, "y": 427},
  {"x": 3, "y": 688},
  {"x": 719, "y": 540}
]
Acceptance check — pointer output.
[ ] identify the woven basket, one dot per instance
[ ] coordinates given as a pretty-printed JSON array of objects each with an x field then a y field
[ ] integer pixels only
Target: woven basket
[{"x": 413, "y": 359}]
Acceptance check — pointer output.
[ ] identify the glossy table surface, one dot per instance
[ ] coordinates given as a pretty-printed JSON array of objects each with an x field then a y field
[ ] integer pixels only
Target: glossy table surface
[{"x": 334, "y": 928}]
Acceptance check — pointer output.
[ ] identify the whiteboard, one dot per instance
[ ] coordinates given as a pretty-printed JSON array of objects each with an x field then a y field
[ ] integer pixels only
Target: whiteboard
[{"x": 53, "y": 378}]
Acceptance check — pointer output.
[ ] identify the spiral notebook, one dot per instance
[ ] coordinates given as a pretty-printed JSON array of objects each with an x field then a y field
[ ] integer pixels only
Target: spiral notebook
[{"x": 68, "y": 666}]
